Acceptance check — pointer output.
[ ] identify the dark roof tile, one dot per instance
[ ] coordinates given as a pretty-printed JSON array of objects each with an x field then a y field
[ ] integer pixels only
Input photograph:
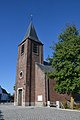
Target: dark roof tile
[
  {"x": 45, "y": 68},
  {"x": 31, "y": 34}
]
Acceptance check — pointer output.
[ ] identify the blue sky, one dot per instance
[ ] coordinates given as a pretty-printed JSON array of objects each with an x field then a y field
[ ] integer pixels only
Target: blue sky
[{"x": 49, "y": 19}]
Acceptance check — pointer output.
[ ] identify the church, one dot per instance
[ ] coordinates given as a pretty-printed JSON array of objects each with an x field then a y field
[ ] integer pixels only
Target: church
[{"x": 32, "y": 86}]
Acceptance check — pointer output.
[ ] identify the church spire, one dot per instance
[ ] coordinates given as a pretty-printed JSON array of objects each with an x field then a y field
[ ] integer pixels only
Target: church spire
[{"x": 31, "y": 33}]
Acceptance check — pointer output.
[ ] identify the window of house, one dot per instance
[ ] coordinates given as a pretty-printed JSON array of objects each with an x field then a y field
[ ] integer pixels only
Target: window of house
[
  {"x": 22, "y": 49},
  {"x": 35, "y": 48}
]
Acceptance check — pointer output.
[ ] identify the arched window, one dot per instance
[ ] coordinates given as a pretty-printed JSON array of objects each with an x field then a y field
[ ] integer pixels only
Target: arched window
[
  {"x": 35, "y": 48},
  {"x": 22, "y": 49}
]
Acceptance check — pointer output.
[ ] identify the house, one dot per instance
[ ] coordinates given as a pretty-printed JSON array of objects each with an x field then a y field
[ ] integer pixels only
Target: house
[
  {"x": 4, "y": 96},
  {"x": 32, "y": 86}
]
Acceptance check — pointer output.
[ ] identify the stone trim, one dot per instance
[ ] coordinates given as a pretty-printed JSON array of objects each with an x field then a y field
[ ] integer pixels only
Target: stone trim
[
  {"x": 39, "y": 104},
  {"x": 27, "y": 104},
  {"x": 22, "y": 95}
]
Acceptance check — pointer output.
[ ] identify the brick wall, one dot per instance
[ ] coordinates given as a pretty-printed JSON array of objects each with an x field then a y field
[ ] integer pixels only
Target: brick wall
[
  {"x": 26, "y": 63},
  {"x": 41, "y": 88},
  {"x": 54, "y": 96},
  {"x": 39, "y": 85}
]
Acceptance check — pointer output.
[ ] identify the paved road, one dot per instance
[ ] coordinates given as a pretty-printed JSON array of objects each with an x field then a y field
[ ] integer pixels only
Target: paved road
[{"x": 10, "y": 112}]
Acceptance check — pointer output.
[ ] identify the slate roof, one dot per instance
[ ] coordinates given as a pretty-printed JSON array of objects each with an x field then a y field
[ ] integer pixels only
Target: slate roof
[
  {"x": 45, "y": 68},
  {"x": 31, "y": 34},
  {"x": 4, "y": 91}
]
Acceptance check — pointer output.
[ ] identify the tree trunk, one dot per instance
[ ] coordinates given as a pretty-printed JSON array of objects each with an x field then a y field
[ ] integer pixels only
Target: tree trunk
[{"x": 72, "y": 102}]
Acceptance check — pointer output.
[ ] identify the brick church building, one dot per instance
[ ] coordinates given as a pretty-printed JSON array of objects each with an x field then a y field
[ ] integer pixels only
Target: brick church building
[{"x": 33, "y": 87}]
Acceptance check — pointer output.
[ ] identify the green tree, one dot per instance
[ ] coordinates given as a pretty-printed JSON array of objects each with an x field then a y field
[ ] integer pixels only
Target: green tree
[{"x": 66, "y": 62}]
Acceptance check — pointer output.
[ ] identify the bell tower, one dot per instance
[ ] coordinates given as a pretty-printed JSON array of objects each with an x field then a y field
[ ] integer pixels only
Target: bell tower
[{"x": 30, "y": 50}]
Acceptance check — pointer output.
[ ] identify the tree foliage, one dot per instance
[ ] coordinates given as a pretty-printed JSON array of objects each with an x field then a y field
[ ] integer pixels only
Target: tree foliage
[{"x": 66, "y": 61}]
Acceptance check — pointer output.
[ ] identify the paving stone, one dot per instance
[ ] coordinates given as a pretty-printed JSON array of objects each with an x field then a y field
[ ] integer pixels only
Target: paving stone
[{"x": 10, "y": 112}]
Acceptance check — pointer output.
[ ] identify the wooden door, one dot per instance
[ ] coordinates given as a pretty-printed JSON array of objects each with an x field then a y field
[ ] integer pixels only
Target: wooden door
[{"x": 20, "y": 97}]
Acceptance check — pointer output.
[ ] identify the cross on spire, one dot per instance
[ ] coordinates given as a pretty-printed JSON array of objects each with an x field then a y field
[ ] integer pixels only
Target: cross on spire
[{"x": 31, "y": 16}]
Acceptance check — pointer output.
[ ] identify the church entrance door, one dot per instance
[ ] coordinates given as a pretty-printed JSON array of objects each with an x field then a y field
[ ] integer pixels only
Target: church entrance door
[{"x": 20, "y": 97}]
